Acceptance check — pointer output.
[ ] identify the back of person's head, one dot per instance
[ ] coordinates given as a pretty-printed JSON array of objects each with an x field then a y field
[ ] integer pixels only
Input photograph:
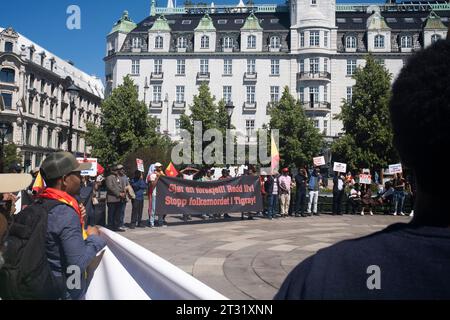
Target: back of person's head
[{"x": 420, "y": 112}]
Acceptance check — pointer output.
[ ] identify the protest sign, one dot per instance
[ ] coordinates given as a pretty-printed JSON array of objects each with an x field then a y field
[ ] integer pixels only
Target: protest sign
[
  {"x": 91, "y": 172},
  {"x": 319, "y": 161},
  {"x": 340, "y": 167},
  {"x": 395, "y": 168},
  {"x": 365, "y": 179},
  {"x": 140, "y": 165},
  {"x": 179, "y": 196}
]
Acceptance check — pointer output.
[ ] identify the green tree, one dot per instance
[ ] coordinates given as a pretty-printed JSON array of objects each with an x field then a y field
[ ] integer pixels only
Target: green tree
[
  {"x": 367, "y": 139},
  {"x": 10, "y": 156},
  {"x": 126, "y": 126},
  {"x": 300, "y": 141},
  {"x": 212, "y": 115}
]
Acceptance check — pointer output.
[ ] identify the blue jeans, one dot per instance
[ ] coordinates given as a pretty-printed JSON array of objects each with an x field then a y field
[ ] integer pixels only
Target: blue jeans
[
  {"x": 273, "y": 205},
  {"x": 399, "y": 199},
  {"x": 152, "y": 215},
  {"x": 122, "y": 213}
]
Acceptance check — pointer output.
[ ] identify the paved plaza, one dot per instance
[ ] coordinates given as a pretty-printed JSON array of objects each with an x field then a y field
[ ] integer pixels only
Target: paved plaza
[{"x": 249, "y": 259}]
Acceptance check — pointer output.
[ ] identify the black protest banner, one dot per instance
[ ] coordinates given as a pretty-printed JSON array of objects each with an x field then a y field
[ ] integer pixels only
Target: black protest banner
[{"x": 178, "y": 196}]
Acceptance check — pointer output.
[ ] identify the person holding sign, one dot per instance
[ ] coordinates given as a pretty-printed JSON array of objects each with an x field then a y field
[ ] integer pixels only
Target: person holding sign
[
  {"x": 314, "y": 185},
  {"x": 338, "y": 192},
  {"x": 399, "y": 194},
  {"x": 154, "y": 177}
]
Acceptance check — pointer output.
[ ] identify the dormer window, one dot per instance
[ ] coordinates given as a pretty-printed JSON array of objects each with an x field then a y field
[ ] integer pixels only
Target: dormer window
[
  {"x": 350, "y": 42},
  {"x": 204, "y": 42},
  {"x": 228, "y": 42},
  {"x": 379, "y": 42},
  {"x": 182, "y": 42},
  {"x": 251, "y": 42},
  {"x": 8, "y": 46},
  {"x": 136, "y": 43},
  {"x": 406, "y": 42},
  {"x": 435, "y": 38},
  {"x": 275, "y": 42},
  {"x": 159, "y": 43}
]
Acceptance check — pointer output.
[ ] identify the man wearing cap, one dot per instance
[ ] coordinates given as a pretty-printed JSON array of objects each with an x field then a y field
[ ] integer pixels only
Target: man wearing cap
[
  {"x": 125, "y": 184},
  {"x": 115, "y": 197},
  {"x": 68, "y": 243}
]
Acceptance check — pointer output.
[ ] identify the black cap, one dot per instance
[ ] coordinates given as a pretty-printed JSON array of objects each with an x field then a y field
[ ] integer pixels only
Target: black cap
[{"x": 59, "y": 164}]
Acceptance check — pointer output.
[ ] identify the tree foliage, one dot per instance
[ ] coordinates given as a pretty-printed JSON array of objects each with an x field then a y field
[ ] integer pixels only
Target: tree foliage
[
  {"x": 300, "y": 141},
  {"x": 10, "y": 156},
  {"x": 125, "y": 128},
  {"x": 367, "y": 139}
]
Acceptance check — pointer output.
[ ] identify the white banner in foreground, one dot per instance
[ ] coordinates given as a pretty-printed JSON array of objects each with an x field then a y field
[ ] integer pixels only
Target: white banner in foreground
[{"x": 128, "y": 271}]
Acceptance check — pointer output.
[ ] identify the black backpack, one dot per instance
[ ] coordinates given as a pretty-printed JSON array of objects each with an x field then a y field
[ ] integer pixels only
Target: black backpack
[{"x": 26, "y": 273}]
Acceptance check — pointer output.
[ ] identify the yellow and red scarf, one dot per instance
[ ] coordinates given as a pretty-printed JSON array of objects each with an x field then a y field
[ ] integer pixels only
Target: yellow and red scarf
[{"x": 64, "y": 197}]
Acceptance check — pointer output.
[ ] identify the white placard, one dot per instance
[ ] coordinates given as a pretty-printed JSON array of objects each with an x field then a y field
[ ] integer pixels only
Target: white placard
[
  {"x": 140, "y": 165},
  {"x": 365, "y": 179},
  {"x": 340, "y": 167},
  {"x": 395, "y": 168},
  {"x": 319, "y": 161},
  {"x": 91, "y": 172}
]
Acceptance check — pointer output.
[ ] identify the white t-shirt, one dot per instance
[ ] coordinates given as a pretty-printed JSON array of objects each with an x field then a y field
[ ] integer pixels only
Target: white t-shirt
[
  {"x": 275, "y": 186},
  {"x": 188, "y": 176},
  {"x": 153, "y": 178}
]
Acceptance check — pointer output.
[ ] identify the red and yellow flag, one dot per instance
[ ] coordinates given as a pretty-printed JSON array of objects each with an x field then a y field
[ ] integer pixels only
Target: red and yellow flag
[
  {"x": 38, "y": 185},
  {"x": 171, "y": 171},
  {"x": 275, "y": 155}
]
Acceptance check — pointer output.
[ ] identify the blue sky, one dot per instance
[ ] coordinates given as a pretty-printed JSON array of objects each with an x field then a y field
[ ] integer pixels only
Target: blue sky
[{"x": 44, "y": 22}]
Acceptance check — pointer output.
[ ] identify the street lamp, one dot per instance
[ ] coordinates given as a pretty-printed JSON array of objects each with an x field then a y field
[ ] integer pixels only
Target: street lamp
[
  {"x": 73, "y": 91},
  {"x": 146, "y": 87},
  {"x": 230, "y": 110},
  {"x": 3, "y": 132}
]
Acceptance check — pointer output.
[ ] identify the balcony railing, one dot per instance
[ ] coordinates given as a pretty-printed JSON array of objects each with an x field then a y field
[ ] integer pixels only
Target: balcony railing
[
  {"x": 249, "y": 107},
  {"x": 313, "y": 76},
  {"x": 179, "y": 107},
  {"x": 321, "y": 106},
  {"x": 155, "y": 106},
  {"x": 250, "y": 76},
  {"x": 157, "y": 76},
  {"x": 203, "y": 76}
]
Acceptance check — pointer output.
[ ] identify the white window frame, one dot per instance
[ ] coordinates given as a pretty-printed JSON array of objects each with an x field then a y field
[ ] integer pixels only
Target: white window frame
[
  {"x": 301, "y": 65},
  {"x": 379, "y": 41},
  {"x": 275, "y": 42},
  {"x": 251, "y": 66},
  {"x": 136, "y": 43},
  {"x": 314, "y": 38},
  {"x": 228, "y": 43},
  {"x": 301, "y": 94},
  {"x": 182, "y": 42},
  {"x": 325, "y": 39},
  {"x": 350, "y": 42},
  {"x": 204, "y": 42},
  {"x": 435, "y": 38},
  {"x": 159, "y": 42},
  {"x": 315, "y": 91},
  {"x": 135, "y": 67},
  {"x": 250, "y": 97},
  {"x": 275, "y": 67},
  {"x": 274, "y": 94},
  {"x": 228, "y": 67},
  {"x": 314, "y": 65},
  {"x": 204, "y": 66},
  {"x": 349, "y": 94},
  {"x": 227, "y": 93},
  {"x": 325, "y": 64},
  {"x": 249, "y": 127},
  {"x": 157, "y": 93},
  {"x": 251, "y": 42},
  {"x": 352, "y": 64},
  {"x": 302, "y": 39},
  {"x": 180, "y": 94},
  {"x": 181, "y": 67},
  {"x": 406, "y": 42}
]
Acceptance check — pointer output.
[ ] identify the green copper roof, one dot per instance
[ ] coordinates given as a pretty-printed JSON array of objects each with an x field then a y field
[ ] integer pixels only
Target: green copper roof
[
  {"x": 251, "y": 23},
  {"x": 160, "y": 24},
  {"x": 434, "y": 22},
  {"x": 124, "y": 24},
  {"x": 376, "y": 22},
  {"x": 206, "y": 24}
]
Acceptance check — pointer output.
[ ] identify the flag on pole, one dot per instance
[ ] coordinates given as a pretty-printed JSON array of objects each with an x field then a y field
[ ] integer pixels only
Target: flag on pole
[
  {"x": 275, "y": 155},
  {"x": 38, "y": 185},
  {"x": 171, "y": 171}
]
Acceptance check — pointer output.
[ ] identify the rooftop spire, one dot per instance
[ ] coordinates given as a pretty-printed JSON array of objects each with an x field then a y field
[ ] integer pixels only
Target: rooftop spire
[
  {"x": 153, "y": 8},
  {"x": 170, "y": 4}
]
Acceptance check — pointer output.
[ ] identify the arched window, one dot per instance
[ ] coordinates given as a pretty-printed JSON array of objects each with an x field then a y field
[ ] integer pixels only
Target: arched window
[
  {"x": 379, "y": 41},
  {"x": 228, "y": 42},
  {"x": 136, "y": 43},
  {"x": 350, "y": 42},
  {"x": 406, "y": 42},
  {"x": 204, "y": 42},
  {"x": 8, "y": 46},
  {"x": 275, "y": 42},
  {"x": 251, "y": 42},
  {"x": 181, "y": 42},
  {"x": 435, "y": 38},
  {"x": 7, "y": 75},
  {"x": 159, "y": 43}
]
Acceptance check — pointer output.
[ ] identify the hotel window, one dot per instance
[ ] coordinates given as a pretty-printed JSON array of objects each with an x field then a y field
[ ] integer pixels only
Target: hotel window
[
  {"x": 314, "y": 94},
  {"x": 314, "y": 38},
  {"x": 181, "y": 67},
  {"x": 157, "y": 93},
  {"x": 301, "y": 94},
  {"x": 226, "y": 93},
  {"x": 135, "y": 67},
  {"x": 228, "y": 67},
  {"x": 325, "y": 64},
  {"x": 350, "y": 42},
  {"x": 325, "y": 39},
  {"x": 182, "y": 42},
  {"x": 251, "y": 42},
  {"x": 435, "y": 38},
  {"x": 314, "y": 65},
  {"x": 251, "y": 66},
  {"x": 325, "y": 94},
  {"x": 136, "y": 43},
  {"x": 180, "y": 94},
  {"x": 204, "y": 66},
  {"x": 406, "y": 42},
  {"x": 302, "y": 65},
  {"x": 204, "y": 42},
  {"x": 7, "y": 100},
  {"x": 228, "y": 43},
  {"x": 325, "y": 126},
  {"x": 275, "y": 67},
  {"x": 8, "y": 46},
  {"x": 275, "y": 42},
  {"x": 158, "y": 125},
  {"x": 159, "y": 42},
  {"x": 7, "y": 75},
  {"x": 249, "y": 127},
  {"x": 250, "y": 94},
  {"x": 157, "y": 66},
  {"x": 274, "y": 94},
  {"x": 316, "y": 124},
  {"x": 351, "y": 66},
  {"x": 379, "y": 41},
  {"x": 302, "y": 39},
  {"x": 349, "y": 94},
  {"x": 50, "y": 138}
]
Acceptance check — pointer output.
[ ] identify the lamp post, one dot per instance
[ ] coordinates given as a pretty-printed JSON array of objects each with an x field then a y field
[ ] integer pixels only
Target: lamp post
[
  {"x": 73, "y": 91},
  {"x": 146, "y": 87},
  {"x": 230, "y": 110},
  {"x": 166, "y": 102},
  {"x": 3, "y": 133}
]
